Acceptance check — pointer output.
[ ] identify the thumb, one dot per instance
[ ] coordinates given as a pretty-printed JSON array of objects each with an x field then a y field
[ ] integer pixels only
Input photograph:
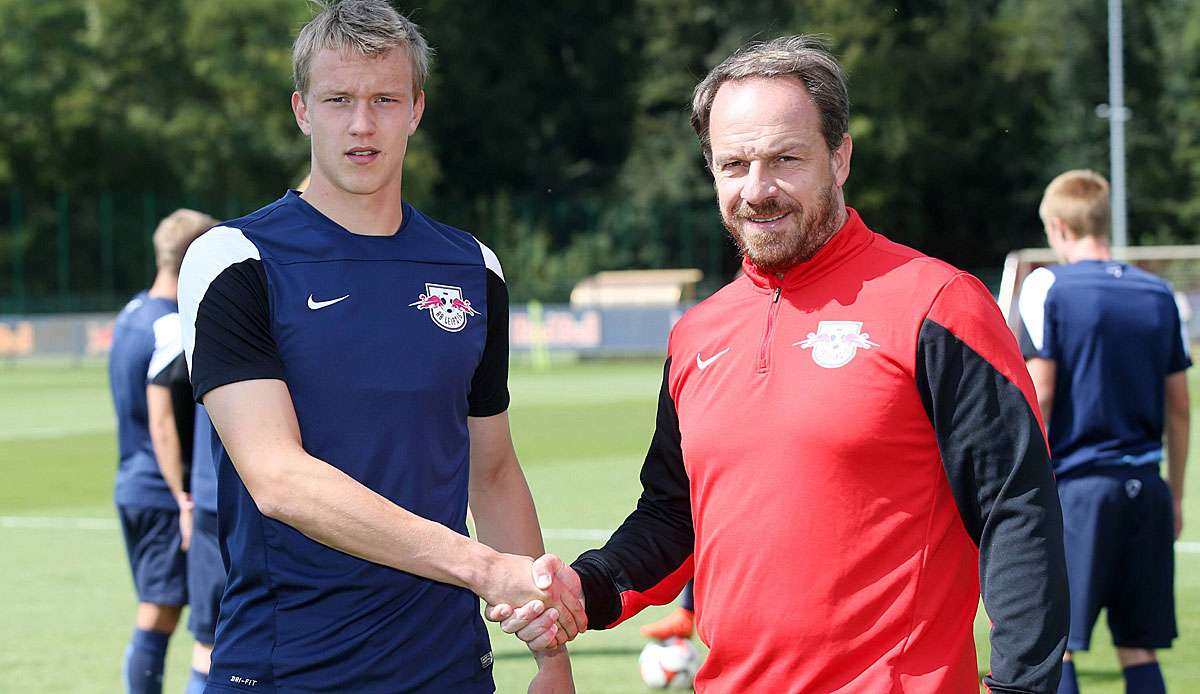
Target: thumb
[{"x": 544, "y": 568}]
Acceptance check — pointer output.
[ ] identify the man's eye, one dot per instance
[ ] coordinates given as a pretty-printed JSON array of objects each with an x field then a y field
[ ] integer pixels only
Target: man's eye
[{"x": 338, "y": 99}]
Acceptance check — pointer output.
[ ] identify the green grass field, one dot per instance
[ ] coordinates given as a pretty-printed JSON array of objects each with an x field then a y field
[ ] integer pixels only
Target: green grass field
[{"x": 66, "y": 602}]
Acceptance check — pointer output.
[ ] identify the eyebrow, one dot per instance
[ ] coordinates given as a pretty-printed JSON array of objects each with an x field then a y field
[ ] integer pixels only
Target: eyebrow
[{"x": 743, "y": 152}]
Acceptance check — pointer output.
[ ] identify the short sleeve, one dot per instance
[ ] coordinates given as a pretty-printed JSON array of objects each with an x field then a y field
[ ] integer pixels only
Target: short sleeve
[
  {"x": 489, "y": 386},
  {"x": 1181, "y": 357},
  {"x": 225, "y": 313},
  {"x": 1037, "y": 328},
  {"x": 168, "y": 345}
]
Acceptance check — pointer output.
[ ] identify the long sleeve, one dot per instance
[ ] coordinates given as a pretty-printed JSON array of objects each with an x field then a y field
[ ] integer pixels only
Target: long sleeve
[
  {"x": 648, "y": 559},
  {"x": 981, "y": 402}
]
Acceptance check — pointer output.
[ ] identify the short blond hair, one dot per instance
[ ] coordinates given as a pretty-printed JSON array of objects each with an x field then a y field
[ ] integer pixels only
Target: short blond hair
[
  {"x": 1080, "y": 198},
  {"x": 175, "y": 233},
  {"x": 368, "y": 27}
]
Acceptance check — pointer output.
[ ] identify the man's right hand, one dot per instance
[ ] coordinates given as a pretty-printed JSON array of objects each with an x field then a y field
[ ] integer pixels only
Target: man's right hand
[{"x": 529, "y": 623}]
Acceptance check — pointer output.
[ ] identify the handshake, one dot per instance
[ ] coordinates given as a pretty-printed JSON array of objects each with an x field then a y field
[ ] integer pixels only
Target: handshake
[{"x": 546, "y": 612}]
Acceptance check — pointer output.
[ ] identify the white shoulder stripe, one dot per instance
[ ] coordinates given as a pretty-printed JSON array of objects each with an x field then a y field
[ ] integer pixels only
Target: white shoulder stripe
[
  {"x": 490, "y": 259},
  {"x": 207, "y": 257},
  {"x": 168, "y": 343},
  {"x": 1032, "y": 304}
]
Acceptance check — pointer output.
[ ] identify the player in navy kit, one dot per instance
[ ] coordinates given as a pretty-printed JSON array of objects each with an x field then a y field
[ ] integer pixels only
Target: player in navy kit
[
  {"x": 1108, "y": 359},
  {"x": 194, "y": 464},
  {"x": 352, "y": 354},
  {"x": 146, "y": 340}
]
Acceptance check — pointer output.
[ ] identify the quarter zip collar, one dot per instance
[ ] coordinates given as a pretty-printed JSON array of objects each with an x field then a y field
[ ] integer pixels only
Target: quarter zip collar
[{"x": 847, "y": 242}]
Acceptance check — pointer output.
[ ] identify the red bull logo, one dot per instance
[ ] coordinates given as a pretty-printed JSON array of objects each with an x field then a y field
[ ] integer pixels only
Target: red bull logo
[
  {"x": 836, "y": 342},
  {"x": 447, "y": 307}
]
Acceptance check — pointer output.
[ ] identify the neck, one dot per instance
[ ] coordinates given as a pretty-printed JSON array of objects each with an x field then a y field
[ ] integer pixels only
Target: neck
[
  {"x": 369, "y": 214},
  {"x": 1089, "y": 248},
  {"x": 166, "y": 286}
]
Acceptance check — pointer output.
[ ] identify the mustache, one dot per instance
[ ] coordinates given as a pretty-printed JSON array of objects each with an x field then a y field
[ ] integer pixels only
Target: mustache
[{"x": 768, "y": 208}]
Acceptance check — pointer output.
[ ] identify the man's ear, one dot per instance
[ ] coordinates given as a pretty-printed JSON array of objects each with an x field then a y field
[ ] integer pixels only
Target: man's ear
[{"x": 300, "y": 110}]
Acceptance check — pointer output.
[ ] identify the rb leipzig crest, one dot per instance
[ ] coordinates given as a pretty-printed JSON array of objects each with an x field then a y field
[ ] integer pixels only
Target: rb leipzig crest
[
  {"x": 836, "y": 342},
  {"x": 446, "y": 305}
]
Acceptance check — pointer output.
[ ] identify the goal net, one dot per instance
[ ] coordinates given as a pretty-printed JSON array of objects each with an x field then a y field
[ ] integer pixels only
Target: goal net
[{"x": 1178, "y": 265}]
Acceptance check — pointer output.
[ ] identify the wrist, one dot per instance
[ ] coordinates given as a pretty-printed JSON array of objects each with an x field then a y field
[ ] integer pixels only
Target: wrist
[
  {"x": 552, "y": 660},
  {"x": 477, "y": 573}
]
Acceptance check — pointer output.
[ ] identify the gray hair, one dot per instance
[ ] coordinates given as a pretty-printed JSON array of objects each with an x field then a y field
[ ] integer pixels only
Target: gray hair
[
  {"x": 804, "y": 57},
  {"x": 368, "y": 27}
]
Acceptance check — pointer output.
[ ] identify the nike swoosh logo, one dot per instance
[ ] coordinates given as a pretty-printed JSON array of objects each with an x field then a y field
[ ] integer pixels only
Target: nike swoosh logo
[
  {"x": 314, "y": 305},
  {"x": 703, "y": 364}
]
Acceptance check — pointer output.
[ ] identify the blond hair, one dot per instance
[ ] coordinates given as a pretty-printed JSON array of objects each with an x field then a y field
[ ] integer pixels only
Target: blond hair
[
  {"x": 368, "y": 27},
  {"x": 1080, "y": 198},
  {"x": 175, "y": 233}
]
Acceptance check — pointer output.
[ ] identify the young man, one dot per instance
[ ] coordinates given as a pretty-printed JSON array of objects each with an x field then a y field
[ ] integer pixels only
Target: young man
[
  {"x": 353, "y": 356},
  {"x": 1108, "y": 358},
  {"x": 847, "y": 446},
  {"x": 154, "y": 512}
]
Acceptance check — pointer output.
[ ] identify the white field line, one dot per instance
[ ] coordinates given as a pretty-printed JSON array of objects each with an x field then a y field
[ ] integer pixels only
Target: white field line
[{"x": 63, "y": 523}]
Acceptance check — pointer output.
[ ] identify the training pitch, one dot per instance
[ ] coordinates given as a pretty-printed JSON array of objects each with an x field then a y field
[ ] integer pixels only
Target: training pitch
[{"x": 66, "y": 602}]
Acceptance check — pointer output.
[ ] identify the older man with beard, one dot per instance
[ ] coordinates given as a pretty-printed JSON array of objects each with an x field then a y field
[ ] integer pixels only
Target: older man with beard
[{"x": 848, "y": 446}]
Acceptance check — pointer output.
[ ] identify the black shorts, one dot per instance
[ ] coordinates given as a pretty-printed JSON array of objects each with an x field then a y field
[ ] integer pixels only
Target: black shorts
[
  {"x": 205, "y": 576},
  {"x": 1120, "y": 542},
  {"x": 152, "y": 545}
]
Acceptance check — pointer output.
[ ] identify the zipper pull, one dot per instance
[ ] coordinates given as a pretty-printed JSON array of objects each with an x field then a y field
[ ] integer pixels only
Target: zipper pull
[{"x": 778, "y": 291}]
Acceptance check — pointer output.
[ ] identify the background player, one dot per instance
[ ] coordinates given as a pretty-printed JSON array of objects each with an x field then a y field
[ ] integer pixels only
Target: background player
[
  {"x": 146, "y": 340},
  {"x": 1108, "y": 354},
  {"x": 353, "y": 356}
]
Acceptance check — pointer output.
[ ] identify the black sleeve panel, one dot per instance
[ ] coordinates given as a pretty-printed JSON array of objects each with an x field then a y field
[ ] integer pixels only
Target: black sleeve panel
[
  {"x": 233, "y": 330},
  {"x": 489, "y": 386},
  {"x": 647, "y": 560},
  {"x": 175, "y": 378},
  {"x": 1000, "y": 474}
]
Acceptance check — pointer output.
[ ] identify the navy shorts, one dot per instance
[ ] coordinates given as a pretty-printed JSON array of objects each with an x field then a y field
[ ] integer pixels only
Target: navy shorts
[
  {"x": 1120, "y": 535},
  {"x": 152, "y": 544},
  {"x": 206, "y": 576}
]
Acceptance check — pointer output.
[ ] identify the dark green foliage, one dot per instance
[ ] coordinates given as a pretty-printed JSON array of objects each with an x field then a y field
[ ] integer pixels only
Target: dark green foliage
[{"x": 558, "y": 132}]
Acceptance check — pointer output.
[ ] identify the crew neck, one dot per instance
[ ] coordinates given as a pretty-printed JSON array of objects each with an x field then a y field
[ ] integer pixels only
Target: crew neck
[{"x": 293, "y": 197}]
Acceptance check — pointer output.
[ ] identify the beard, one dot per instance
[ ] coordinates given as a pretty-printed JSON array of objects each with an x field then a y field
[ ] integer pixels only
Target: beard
[{"x": 804, "y": 232}]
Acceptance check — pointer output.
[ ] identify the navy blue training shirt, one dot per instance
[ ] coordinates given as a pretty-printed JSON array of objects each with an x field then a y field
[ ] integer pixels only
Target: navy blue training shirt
[
  {"x": 146, "y": 341},
  {"x": 387, "y": 344},
  {"x": 1115, "y": 335}
]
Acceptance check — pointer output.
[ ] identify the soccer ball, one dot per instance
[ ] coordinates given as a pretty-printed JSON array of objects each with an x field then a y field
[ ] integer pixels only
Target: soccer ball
[{"x": 670, "y": 664}]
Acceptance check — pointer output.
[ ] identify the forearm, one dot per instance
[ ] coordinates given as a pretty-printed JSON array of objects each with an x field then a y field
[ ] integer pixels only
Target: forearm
[
  {"x": 332, "y": 508},
  {"x": 168, "y": 451},
  {"x": 1178, "y": 433},
  {"x": 505, "y": 518}
]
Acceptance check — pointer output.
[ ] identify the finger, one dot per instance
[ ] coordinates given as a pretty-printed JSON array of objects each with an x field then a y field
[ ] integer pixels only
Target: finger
[
  {"x": 566, "y": 620},
  {"x": 546, "y": 641},
  {"x": 574, "y": 604},
  {"x": 538, "y": 626},
  {"x": 498, "y": 613},
  {"x": 544, "y": 568},
  {"x": 522, "y": 616}
]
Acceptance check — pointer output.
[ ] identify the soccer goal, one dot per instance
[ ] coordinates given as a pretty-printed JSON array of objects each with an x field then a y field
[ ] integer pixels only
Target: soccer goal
[{"x": 1179, "y": 265}]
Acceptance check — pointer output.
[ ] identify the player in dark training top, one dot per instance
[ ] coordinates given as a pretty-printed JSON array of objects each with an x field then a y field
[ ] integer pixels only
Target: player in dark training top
[
  {"x": 353, "y": 356},
  {"x": 146, "y": 341},
  {"x": 1108, "y": 357}
]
